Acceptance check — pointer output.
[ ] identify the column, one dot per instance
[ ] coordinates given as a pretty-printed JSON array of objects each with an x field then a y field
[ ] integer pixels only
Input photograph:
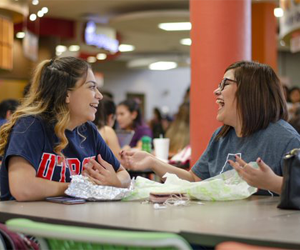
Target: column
[
  {"x": 264, "y": 34},
  {"x": 221, "y": 35}
]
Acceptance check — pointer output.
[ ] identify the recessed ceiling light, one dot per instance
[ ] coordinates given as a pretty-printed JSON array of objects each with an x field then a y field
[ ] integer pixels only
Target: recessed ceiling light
[
  {"x": 32, "y": 17},
  {"x": 91, "y": 59},
  {"x": 162, "y": 65},
  {"x": 60, "y": 48},
  {"x": 278, "y": 12},
  {"x": 74, "y": 48},
  {"x": 20, "y": 35},
  {"x": 35, "y": 2},
  {"x": 126, "y": 47},
  {"x": 40, "y": 13},
  {"x": 175, "y": 26},
  {"x": 101, "y": 56},
  {"x": 186, "y": 41},
  {"x": 45, "y": 10}
]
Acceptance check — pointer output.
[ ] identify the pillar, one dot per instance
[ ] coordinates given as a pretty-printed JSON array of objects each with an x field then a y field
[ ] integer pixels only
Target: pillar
[
  {"x": 264, "y": 34},
  {"x": 221, "y": 35}
]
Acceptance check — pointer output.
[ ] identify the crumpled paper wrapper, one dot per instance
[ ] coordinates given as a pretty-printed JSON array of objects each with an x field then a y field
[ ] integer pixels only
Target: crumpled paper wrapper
[
  {"x": 224, "y": 187},
  {"x": 82, "y": 187}
]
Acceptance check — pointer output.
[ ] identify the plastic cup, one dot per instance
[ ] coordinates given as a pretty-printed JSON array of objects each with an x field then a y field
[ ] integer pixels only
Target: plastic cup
[{"x": 161, "y": 148}]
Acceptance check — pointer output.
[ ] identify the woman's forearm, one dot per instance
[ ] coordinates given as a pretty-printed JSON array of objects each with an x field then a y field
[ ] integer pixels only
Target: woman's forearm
[
  {"x": 160, "y": 168},
  {"x": 37, "y": 189}
]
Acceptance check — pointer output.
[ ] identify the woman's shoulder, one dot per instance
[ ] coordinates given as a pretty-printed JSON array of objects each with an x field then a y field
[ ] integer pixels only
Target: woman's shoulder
[
  {"x": 284, "y": 127},
  {"x": 142, "y": 127},
  {"x": 280, "y": 129},
  {"x": 30, "y": 121}
]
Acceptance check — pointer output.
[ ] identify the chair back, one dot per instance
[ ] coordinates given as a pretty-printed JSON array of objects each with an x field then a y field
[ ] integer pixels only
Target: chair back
[{"x": 73, "y": 237}]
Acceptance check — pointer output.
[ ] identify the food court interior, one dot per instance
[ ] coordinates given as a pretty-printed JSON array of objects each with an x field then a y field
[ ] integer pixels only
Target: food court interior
[
  {"x": 134, "y": 53},
  {"x": 137, "y": 57}
]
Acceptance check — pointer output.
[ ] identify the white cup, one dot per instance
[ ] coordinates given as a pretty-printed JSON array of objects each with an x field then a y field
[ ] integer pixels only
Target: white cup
[{"x": 161, "y": 148}]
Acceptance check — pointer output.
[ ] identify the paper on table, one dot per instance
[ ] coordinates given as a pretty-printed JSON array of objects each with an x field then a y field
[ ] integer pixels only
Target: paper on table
[{"x": 224, "y": 187}]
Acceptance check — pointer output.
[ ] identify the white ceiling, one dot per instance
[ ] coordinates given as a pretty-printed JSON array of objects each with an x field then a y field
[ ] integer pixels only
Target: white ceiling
[{"x": 136, "y": 21}]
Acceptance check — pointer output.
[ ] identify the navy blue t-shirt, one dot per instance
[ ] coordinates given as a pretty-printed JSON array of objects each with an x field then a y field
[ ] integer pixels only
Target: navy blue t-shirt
[{"x": 34, "y": 140}]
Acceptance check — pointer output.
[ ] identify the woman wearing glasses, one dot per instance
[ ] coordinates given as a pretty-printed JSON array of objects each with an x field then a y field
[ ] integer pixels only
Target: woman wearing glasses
[{"x": 253, "y": 111}]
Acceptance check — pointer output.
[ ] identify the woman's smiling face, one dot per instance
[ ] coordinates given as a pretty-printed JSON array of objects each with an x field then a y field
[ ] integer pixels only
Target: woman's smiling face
[{"x": 226, "y": 99}]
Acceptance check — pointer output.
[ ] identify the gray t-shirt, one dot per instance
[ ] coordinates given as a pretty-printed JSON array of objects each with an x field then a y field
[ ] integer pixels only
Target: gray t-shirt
[{"x": 270, "y": 144}]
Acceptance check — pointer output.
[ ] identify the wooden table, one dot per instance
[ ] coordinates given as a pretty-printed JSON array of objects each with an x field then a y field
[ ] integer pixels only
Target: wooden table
[{"x": 255, "y": 220}]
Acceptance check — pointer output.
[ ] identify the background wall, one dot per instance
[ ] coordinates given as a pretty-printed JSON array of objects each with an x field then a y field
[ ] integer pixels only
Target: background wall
[
  {"x": 289, "y": 67},
  {"x": 161, "y": 88}
]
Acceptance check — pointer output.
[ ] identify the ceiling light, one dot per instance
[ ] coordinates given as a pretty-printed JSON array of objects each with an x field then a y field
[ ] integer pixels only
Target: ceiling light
[
  {"x": 74, "y": 48},
  {"x": 45, "y": 10},
  {"x": 35, "y": 2},
  {"x": 101, "y": 56},
  {"x": 32, "y": 17},
  {"x": 91, "y": 59},
  {"x": 60, "y": 48},
  {"x": 126, "y": 47},
  {"x": 278, "y": 12},
  {"x": 40, "y": 13},
  {"x": 162, "y": 65},
  {"x": 186, "y": 41},
  {"x": 58, "y": 53},
  {"x": 175, "y": 26},
  {"x": 20, "y": 35}
]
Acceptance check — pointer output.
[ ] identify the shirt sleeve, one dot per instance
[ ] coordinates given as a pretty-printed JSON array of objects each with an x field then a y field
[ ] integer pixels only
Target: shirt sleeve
[
  {"x": 201, "y": 167},
  {"x": 27, "y": 141}
]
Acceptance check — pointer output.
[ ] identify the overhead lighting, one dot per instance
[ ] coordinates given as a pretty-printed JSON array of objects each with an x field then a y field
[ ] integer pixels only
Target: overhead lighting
[
  {"x": 186, "y": 41},
  {"x": 60, "y": 48},
  {"x": 175, "y": 26},
  {"x": 74, "y": 48},
  {"x": 278, "y": 12},
  {"x": 126, "y": 47},
  {"x": 101, "y": 56},
  {"x": 45, "y": 10},
  {"x": 35, "y": 2},
  {"x": 40, "y": 13},
  {"x": 162, "y": 65},
  {"x": 32, "y": 17},
  {"x": 91, "y": 59},
  {"x": 20, "y": 35}
]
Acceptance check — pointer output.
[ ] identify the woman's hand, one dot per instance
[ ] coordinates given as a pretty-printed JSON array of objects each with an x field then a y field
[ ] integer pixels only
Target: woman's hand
[
  {"x": 262, "y": 178},
  {"x": 101, "y": 173},
  {"x": 136, "y": 159}
]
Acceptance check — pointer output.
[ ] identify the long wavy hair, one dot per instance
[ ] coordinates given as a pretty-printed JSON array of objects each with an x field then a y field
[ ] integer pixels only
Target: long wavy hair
[
  {"x": 179, "y": 130},
  {"x": 259, "y": 95},
  {"x": 47, "y": 97}
]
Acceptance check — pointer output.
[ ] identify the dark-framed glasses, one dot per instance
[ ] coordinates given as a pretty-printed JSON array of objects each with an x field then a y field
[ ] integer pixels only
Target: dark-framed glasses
[{"x": 224, "y": 83}]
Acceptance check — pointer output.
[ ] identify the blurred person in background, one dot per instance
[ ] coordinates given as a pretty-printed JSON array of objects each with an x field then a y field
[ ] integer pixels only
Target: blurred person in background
[
  {"x": 129, "y": 117},
  {"x": 7, "y": 108},
  {"x": 295, "y": 120},
  {"x": 156, "y": 124},
  {"x": 293, "y": 101},
  {"x": 179, "y": 130},
  {"x": 105, "y": 120}
]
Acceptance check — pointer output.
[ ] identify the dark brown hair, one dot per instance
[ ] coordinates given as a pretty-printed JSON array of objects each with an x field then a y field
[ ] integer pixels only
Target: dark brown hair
[{"x": 259, "y": 95}]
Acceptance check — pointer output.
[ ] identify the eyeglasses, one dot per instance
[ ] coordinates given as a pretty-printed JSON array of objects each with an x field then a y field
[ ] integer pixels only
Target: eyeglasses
[{"x": 222, "y": 84}]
